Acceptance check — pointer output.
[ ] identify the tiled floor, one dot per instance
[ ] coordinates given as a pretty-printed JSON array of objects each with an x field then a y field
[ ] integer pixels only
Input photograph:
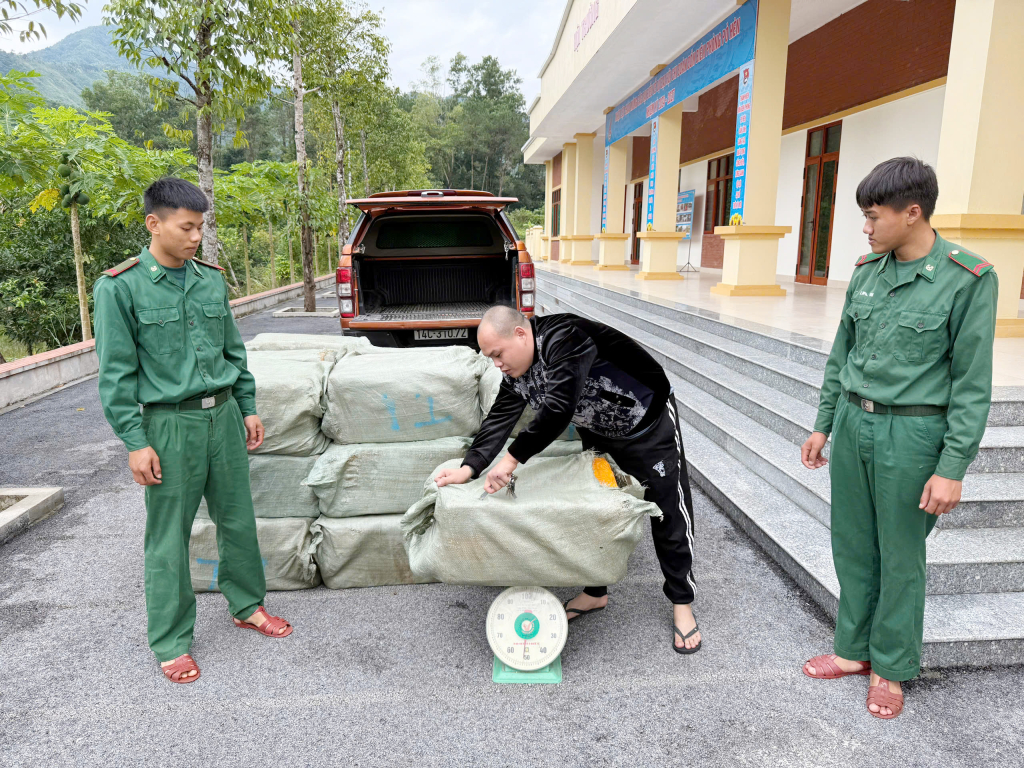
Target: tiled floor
[{"x": 810, "y": 310}]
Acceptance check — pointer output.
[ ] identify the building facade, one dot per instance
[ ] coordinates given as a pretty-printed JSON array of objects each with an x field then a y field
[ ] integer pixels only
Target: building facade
[{"x": 732, "y": 135}]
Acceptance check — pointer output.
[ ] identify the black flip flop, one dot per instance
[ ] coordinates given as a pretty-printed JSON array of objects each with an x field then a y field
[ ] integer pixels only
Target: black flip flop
[
  {"x": 688, "y": 635},
  {"x": 579, "y": 612}
]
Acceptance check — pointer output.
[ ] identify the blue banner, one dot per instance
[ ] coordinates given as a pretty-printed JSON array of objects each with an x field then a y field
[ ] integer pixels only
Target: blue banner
[
  {"x": 650, "y": 175},
  {"x": 604, "y": 191},
  {"x": 724, "y": 49},
  {"x": 739, "y": 174}
]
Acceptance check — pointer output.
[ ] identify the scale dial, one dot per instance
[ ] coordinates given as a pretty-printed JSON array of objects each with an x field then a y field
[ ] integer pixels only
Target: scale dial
[{"x": 526, "y": 628}]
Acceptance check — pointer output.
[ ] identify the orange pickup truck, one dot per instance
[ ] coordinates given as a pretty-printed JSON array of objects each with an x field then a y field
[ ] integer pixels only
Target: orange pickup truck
[{"x": 421, "y": 267}]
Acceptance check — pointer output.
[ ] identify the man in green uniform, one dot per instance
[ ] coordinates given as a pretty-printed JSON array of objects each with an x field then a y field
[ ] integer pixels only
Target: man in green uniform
[
  {"x": 906, "y": 396},
  {"x": 166, "y": 339}
]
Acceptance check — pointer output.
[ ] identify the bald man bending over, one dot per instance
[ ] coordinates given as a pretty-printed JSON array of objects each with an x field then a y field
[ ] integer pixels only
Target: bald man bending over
[{"x": 570, "y": 369}]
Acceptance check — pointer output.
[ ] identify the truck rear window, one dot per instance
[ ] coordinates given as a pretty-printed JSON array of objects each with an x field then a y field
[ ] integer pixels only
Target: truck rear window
[{"x": 434, "y": 233}]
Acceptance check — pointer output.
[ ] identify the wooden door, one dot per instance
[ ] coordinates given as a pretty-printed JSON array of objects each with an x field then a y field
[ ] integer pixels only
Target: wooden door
[
  {"x": 817, "y": 206},
  {"x": 638, "y": 216}
]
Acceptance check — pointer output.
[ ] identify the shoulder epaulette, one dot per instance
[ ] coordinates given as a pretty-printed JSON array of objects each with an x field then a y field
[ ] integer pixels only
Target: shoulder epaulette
[
  {"x": 867, "y": 258},
  {"x": 976, "y": 265},
  {"x": 122, "y": 267},
  {"x": 208, "y": 264}
]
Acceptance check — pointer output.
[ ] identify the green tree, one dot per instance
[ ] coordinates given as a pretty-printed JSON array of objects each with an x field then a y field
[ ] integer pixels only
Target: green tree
[
  {"x": 347, "y": 64},
  {"x": 125, "y": 96},
  {"x": 473, "y": 121},
  {"x": 212, "y": 47},
  {"x": 13, "y": 11},
  {"x": 73, "y": 159}
]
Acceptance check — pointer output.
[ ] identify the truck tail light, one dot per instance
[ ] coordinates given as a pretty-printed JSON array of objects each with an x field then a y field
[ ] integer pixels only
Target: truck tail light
[
  {"x": 527, "y": 285},
  {"x": 344, "y": 281}
]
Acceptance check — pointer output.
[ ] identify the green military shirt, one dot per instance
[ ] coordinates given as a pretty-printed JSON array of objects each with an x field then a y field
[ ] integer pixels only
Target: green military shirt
[
  {"x": 160, "y": 343},
  {"x": 923, "y": 339}
]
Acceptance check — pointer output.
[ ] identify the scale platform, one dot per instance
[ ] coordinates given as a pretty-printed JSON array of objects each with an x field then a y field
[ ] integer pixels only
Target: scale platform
[{"x": 503, "y": 673}]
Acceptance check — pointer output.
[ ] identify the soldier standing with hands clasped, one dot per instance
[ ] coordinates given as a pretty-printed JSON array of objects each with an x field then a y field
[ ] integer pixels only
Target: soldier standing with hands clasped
[
  {"x": 166, "y": 339},
  {"x": 906, "y": 395}
]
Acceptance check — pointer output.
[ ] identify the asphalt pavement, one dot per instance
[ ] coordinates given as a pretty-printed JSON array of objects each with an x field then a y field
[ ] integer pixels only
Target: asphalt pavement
[{"x": 398, "y": 676}]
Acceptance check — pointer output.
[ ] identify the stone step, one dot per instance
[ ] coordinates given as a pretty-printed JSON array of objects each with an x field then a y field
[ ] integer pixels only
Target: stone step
[
  {"x": 806, "y": 350},
  {"x": 792, "y": 378},
  {"x": 971, "y": 629},
  {"x": 1007, "y": 402},
  {"x": 788, "y": 411},
  {"x": 734, "y": 424}
]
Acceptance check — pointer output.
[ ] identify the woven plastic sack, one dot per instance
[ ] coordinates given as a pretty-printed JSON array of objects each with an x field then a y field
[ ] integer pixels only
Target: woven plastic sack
[
  {"x": 565, "y": 527},
  {"x": 403, "y": 396},
  {"x": 278, "y": 487},
  {"x": 362, "y": 552},
  {"x": 290, "y": 391},
  {"x": 490, "y": 382},
  {"x": 286, "y": 544},
  {"x": 378, "y": 478},
  {"x": 340, "y": 345}
]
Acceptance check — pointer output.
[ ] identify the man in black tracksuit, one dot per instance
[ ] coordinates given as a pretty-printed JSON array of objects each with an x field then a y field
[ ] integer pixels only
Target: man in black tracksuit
[{"x": 570, "y": 369}]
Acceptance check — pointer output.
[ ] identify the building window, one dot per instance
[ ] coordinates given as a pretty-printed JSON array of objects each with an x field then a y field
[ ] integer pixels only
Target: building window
[
  {"x": 556, "y": 206},
  {"x": 716, "y": 204}
]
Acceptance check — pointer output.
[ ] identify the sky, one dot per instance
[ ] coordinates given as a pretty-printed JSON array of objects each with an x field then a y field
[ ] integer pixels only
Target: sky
[{"x": 519, "y": 34}]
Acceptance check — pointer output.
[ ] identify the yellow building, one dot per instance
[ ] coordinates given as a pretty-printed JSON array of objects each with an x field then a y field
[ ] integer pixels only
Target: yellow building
[{"x": 769, "y": 113}]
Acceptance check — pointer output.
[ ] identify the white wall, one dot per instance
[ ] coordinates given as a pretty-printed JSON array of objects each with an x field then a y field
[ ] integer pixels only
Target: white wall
[{"x": 909, "y": 126}]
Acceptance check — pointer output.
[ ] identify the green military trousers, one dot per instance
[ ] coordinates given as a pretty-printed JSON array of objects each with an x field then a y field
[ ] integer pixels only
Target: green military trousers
[
  {"x": 202, "y": 453},
  {"x": 879, "y": 466}
]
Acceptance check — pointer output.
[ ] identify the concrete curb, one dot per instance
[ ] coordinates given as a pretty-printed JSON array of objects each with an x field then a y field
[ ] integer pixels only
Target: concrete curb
[
  {"x": 29, "y": 377},
  {"x": 35, "y": 504}
]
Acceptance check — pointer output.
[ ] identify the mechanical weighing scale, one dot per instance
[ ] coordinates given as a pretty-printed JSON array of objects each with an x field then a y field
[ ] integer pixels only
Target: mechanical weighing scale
[{"x": 526, "y": 629}]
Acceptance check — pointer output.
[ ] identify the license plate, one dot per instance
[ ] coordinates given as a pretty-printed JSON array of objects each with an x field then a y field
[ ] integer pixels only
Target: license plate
[{"x": 443, "y": 334}]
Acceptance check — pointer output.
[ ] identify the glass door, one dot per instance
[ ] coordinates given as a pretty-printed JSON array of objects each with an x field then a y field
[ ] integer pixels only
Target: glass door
[{"x": 817, "y": 206}]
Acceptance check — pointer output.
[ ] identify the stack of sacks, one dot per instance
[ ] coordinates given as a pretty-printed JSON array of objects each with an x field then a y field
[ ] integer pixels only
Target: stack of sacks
[
  {"x": 291, "y": 387},
  {"x": 574, "y": 520},
  {"x": 393, "y": 415},
  {"x": 490, "y": 382},
  {"x": 340, "y": 345}
]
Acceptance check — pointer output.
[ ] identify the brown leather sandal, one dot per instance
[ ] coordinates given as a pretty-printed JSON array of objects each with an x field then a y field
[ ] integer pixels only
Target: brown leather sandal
[
  {"x": 827, "y": 669},
  {"x": 182, "y": 665},
  {"x": 271, "y": 626},
  {"x": 881, "y": 696}
]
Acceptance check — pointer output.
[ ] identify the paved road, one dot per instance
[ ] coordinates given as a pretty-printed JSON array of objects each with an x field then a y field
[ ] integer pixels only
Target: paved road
[{"x": 400, "y": 676}]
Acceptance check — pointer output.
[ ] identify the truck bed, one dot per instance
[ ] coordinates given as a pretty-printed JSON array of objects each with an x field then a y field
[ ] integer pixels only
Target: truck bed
[{"x": 404, "y": 313}]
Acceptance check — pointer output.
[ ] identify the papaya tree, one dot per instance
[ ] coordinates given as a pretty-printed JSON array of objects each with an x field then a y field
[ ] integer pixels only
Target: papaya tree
[{"x": 73, "y": 159}]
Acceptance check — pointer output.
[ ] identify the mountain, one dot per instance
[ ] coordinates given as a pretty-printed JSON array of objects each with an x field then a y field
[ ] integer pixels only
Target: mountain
[{"x": 68, "y": 66}]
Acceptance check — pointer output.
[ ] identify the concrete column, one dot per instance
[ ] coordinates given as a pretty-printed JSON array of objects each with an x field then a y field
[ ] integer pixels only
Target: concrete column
[
  {"x": 659, "y": 242},
  {"x": 584, "y": 180},
  {"x": 981, "y": 160},
  {"x": 752, "y": 247},
  {"x": 544, "y": 252},
  {"x": 612, "y": 240},
  {"x": 568, "y": 205}
]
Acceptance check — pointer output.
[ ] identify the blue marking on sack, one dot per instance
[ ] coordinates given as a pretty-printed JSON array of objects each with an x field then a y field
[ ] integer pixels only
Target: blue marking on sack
[
  {"x": 390, "y": 405},
  {"x": 433, "y": 419},
  {"x": 216, "y": 567}
]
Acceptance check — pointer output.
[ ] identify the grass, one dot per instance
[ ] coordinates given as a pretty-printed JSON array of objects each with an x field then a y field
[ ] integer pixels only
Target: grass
[{"x": 12, "y": 350}]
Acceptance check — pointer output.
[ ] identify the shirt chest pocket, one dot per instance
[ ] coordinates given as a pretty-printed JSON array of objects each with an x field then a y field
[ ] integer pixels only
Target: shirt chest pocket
[
  {"x": 921, "y": 337},
  {"x": 161, "y": 331},
  {"x": 859, "y": 312},
  {"x": 213, "y": 322}
]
